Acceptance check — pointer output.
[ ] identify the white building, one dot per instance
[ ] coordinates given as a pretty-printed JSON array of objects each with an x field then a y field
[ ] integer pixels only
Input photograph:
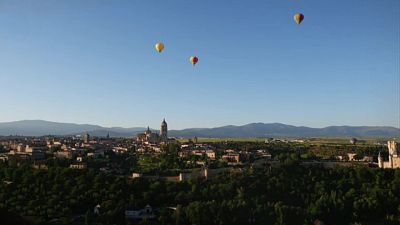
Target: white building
[{"x": 394, "y": 156}]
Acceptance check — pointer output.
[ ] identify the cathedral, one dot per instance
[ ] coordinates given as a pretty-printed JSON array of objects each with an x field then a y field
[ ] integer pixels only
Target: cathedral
[
  {"x": 394, "y": 156},
  {"x": 152, "y": 137}
]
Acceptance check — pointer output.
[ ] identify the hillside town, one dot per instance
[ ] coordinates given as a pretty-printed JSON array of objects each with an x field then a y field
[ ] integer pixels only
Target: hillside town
[{"x": 78, "y": 150}]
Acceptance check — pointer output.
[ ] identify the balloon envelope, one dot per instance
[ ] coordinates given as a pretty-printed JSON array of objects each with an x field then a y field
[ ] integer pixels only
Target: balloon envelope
[
  {"x": 298, "y": 18},
  {"x": 194, "y": 60},
  {"x": 353, "y": 141},
  {"x": 159, "y": 47}
]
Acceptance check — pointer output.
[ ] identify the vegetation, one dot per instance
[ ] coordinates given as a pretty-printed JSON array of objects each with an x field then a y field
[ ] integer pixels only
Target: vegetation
[{"x": 288, "y": 195}]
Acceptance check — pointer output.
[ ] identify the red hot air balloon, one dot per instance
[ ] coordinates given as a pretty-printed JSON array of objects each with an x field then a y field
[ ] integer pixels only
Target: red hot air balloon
[{"x": 194, "y": 60}]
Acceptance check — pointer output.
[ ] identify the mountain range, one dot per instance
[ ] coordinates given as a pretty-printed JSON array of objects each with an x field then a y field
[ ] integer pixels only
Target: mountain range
[{"x": 41, "y": 127}]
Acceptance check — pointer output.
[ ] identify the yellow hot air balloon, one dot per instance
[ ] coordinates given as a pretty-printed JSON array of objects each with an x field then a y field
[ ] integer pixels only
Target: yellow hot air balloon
[
  {"x": 298, "y": 18},
  {"x": 159, "y": 47},
  {"x": 194, "y": 60}
]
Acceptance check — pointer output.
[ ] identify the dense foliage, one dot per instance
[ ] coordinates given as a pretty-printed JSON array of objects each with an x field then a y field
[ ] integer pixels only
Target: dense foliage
[
  {"x": 290, "y": 194},
  {"x": 317, "y": 150}
]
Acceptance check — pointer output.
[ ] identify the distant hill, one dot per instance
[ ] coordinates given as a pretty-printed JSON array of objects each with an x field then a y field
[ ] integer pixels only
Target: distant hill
[
  {"x": 41, "y": 127},
  {"x": 283, "y": 130}
]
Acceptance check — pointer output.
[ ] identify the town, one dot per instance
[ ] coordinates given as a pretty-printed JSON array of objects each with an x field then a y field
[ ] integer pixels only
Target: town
[
  {"x": 104, "y": 153},
  {"x": 151, "y": 153},
  {"x": 156, "y": 157}
]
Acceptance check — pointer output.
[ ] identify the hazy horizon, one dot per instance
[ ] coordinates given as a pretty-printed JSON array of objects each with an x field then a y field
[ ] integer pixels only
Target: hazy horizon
[
  {"x": 94, "y": 62},
  {"x": 170, "y": 126}
]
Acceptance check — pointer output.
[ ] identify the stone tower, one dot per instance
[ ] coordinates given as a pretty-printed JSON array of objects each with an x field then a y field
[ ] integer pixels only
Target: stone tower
[
  {"x": 380, "y": 160},
  {"x": 86, "y": 138},
  {"x": 164, "y": 131},
  {"x": 393, "y": 151}
]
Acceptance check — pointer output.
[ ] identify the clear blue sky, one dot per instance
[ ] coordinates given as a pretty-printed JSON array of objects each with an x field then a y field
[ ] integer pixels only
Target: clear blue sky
[{"x": 94, "y": 62}]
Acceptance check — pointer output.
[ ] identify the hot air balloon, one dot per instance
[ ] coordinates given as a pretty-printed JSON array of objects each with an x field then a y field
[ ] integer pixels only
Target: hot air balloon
[
  {"x": 298, "y": 18},
  {"x": 194, "y": 60},
  {"x": 353, "y": 141},
  {"x": 159, "y": 47}
]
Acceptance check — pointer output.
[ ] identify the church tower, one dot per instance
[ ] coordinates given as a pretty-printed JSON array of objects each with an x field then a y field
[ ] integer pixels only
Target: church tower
[
  {"x": 86, "y": 138},
  {"x": 164, "y": 131}
]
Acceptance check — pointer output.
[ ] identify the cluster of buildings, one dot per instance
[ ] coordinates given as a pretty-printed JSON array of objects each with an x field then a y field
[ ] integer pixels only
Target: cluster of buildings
[
  {"x": 204, "y": 152},
  {"x": 150, "y": 137},
  {"x": 79, "y": 149}
]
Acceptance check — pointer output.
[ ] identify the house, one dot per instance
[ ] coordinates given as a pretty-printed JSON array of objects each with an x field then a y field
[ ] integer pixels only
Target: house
[
  {"x": 198, "y": 153},
  {"x": 96, "y": 153},
  {"x": 184, "y": 154},
  {"x": 64, "y": 154},
  {"x": 120, "y": 150},
  {"x": 261, "y": 153},
  {"x": 368, "y": 159},
  {"x": 3, "y": 158},
  {"x": 136, "y": 175},
  {"x": 341, "y": 157},
  {"x": 351, "y": 156},
  {"x": 211, "y": 154},
  {"x": 78, "y": 165},
  {"x": 231, "y": 157}
]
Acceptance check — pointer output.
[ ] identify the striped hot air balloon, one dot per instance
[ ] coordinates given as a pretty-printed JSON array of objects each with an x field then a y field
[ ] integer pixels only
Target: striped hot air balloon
[{"x": 298, "y": 18}]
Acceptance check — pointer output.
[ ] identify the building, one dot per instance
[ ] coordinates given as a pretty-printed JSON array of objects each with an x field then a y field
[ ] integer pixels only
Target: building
[
  {"x": 64, "y": 154},
  {"x": 86, "y": 138},
  {"x": 164, "y": 131},
  {"x": 368, "y": 159},
  {"x": 120, "y": 150},
  {"x": 211, "y": 154},
  {"x": 136, "y": 175},
  {"x": 3, "y": 158},
  {"x": 151, "y": 137},
  {"x": 261, "y": 153},
  {"x": 351, "y": 156},
  {"x": 36, "y": 153},
  {"x": 78, "y": 165},
  {"x": 394, "y": 156},
  {"x": 231, "y": 157},
  {"x": 21, "y": 147},
  {"x": 96, "y": 153}
]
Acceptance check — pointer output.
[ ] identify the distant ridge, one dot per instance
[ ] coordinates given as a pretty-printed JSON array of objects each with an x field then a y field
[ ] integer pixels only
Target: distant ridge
[
  {"x": 41, "y": 127},
  {"x": 283, "y": 130}
]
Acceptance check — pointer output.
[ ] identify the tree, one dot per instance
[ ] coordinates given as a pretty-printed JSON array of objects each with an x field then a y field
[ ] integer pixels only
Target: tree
[{"x": 89, "y": 217}]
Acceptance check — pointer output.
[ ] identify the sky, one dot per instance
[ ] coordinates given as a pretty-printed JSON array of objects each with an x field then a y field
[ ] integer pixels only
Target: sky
[{"x": 94, "y": 62}]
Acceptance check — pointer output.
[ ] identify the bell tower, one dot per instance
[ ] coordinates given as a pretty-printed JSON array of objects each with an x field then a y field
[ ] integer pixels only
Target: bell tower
[{"x": 164, "y": 131}]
